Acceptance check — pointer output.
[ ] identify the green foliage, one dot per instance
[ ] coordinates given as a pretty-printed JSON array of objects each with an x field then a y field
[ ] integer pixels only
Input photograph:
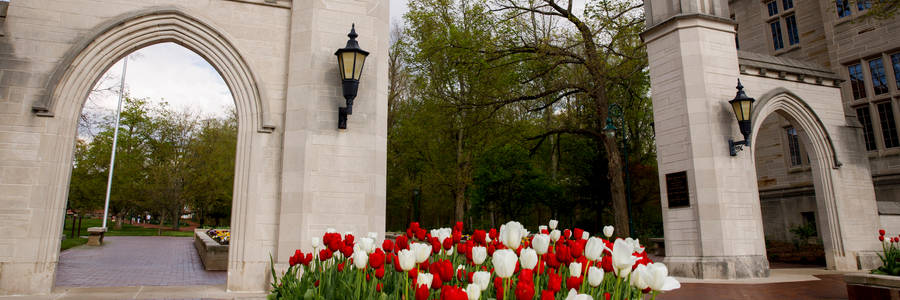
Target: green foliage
[
  {"x": 165, "y": 160},
  {"x": 72, "y": 242},
  {"x": 890, "y": 259},
  {"x": 493, "y": 115}
]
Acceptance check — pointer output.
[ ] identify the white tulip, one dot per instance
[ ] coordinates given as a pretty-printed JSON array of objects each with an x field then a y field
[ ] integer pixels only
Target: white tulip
[
  {"x": 528, "y": 258},
  {"x": 554, "y": 235},
  {"x": 622, "y": 258},
  {"x": 595, "y": 276},
  {"x": 360, "y": 259},
  {"x": 473, "y": 291},
  {"x": 640, "y": 277},
  {"x": 575, "y": 269},
  {"x": 367, "y": 244},
  {"x": 553, "y": 224},
  {"x": 422, "y": 251},
  {"x": 407, "y": 259},
  {"x": 540, "y": 243},
  {"x": 373, "y": 235},
  {"x": 449, "y": 251},
  {"x": 511, "y": 234},
  {"x": 487, "y": 239},
  {"x": 479, "y": 254},
  {"x": 593, "y": 250},
  {"x": 504, "y": 262},
  {"x": 541, "y": 228},
  {"x": 316, "y": 242},
  {"x": 424, "y": 279},
  {"x": 608, "y": 231},
  {"x": 659, "y": 278},
  {"x": 482, "y": 279},
  {"x": 442, "y": 233},
  {"x": 574, "y": 295},
  {"x": 585, "y": 235}
]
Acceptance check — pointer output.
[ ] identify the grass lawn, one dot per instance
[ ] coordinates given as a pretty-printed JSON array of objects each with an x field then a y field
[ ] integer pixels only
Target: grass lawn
[
  {"x": 69, "y": 243},
  {"x": 127, "y": 230}
]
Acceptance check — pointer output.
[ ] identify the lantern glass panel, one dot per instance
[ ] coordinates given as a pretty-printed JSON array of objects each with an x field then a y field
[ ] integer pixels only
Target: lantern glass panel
[
  {"x": 359, "y": 62},
  {"x": 745, "y": 109},
  {"x": 347, "y": 62}
]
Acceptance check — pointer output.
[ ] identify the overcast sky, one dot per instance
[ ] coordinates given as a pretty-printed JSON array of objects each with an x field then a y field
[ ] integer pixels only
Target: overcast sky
[{"x": 181, "y": 77}]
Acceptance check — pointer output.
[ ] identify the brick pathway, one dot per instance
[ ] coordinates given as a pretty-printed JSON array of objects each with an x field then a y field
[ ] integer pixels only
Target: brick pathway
[
  {"x": 133, "y": 261},
  {"x": 829, "y": 287}
]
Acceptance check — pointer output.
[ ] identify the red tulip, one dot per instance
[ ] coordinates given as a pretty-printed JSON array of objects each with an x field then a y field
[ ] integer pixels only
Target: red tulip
[
  {"x": 548, "y": 295},
  {"x": 378, "y": 287},
  {"x": 376, "y": 259},
  {"x": 422, "y": 292},
  {"x": 524, "y": 291},
  {"x": 458, "y": 226},
  {"x": 554, "y": 282},
  {"x": 573, "y": 282},
  {"x": 379, "y": 273},
  {"x": 387, "y": 245},
  {"x": 457, "y": 235},
  {"x": 420, "y": 234},
  {"x": 448, "y": 243},
  {"x": 526, "y": 276},
  {"x": 479, "y": 236},
  {"x": 578, "y": 233},
  {"x": 606, "y": 296},
  {"x": 881, "y": 232},
  {"x": 295, "y": 259},
  {"x": 606, "y": 263},
  {"x": 453, "y": 293},
  {"x": 567, "y": 233},
  {"x": 340, "y": 267},
  {"x": 347, "y": 251},
  {"x": 402, "y": 243},
  {"x": 324, "y": 254},
  {"x": 396, "y": 263},
  {"x": 881, "y": 238},
  {"x": 436, "y": 282},
  {"x": 498, "y": 285},
  {"x": 493, "y": 234},
  {"x": 413, "y": 273}
]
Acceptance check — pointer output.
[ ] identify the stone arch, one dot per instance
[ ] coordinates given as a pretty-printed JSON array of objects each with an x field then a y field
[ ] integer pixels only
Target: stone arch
[
  {"x": 823, "y": 160},
  {"x": 83, "y": 65}
]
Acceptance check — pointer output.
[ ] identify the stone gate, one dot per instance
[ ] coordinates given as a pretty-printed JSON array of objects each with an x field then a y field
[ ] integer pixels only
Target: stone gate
[{"x": 295, "y": 174}]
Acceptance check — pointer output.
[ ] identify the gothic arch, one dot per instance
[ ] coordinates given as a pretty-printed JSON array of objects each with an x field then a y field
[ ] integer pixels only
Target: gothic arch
[
  {"x": 89, "y": 59},
  {"x": 823, "y": 159}
]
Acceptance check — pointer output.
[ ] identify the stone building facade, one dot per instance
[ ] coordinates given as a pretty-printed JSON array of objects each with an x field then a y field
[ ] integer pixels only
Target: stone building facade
[
  {"x": 296, "y": 174},
  {"x": 864, "y": 54},
  {"x": 698, "y": 50}
]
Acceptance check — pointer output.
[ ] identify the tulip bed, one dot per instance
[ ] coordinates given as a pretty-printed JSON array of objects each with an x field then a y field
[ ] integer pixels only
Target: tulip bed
[
  {"x": 222, "y": 236},
  {"x": 890, "y": 260},
  {"x": 509, "y": 263}
]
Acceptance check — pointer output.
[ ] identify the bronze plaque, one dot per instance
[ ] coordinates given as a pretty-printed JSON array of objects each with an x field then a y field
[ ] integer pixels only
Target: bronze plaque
[{"x": 677, "y": 190}]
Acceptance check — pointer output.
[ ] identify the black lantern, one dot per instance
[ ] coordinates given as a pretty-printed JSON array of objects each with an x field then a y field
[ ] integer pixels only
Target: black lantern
[
  {"x": 350, "y": 61},
  {"x": 743, "y": 108}
]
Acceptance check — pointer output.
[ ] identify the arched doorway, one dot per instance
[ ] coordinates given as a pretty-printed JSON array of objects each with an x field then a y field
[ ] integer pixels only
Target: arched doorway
[
  {"x": 837, "y": 213},
  {"x": 83, "y": 66}
]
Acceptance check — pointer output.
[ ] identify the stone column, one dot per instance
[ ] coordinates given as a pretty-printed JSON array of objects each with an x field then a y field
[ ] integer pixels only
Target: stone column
[
  {"x": 693, "y": 73},
  {"x": 331, "y": 177}
]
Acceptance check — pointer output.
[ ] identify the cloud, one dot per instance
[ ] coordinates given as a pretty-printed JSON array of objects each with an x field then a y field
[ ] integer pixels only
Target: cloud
[{"x": 171, "y": 73}]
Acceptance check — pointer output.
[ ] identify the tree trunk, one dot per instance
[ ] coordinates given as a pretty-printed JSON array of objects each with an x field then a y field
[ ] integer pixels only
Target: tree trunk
[
  {"x": 81, "y": 217},
  {"x": 118, "y": 225},
  {"x": 615, "y": 174},
  {"x": 460, "y": 189}
]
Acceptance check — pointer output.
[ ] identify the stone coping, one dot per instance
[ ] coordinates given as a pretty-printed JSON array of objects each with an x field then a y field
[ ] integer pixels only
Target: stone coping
[
  {"x": 96, "y": 230},
  {"x": 210, "y": 243},
  {"x": 887, "y": 281}
]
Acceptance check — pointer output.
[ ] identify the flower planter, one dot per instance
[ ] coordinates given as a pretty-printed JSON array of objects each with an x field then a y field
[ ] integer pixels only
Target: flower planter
[
  {"x": 213, "y": 255},
  {"x": 872, "y": 286}
]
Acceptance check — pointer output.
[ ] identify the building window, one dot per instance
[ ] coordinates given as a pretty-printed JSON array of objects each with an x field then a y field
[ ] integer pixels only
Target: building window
[
  {"x": 857, "y": 83},
  {"x": 865, "y": 119},
  {"x": 895, "y": 60},
  {"x": 863, "y": 4},
  {"x": 777, "y": 41},
  {"x": 843, "y": 8},
  {"x": 888, "y": 126},
  {"x": 773, "y": 7},
  {"x": 879, "y": 82},
  {"x": 793, "y": 37},
  {"x": 787, "y": 4},
  {"x": 794, "y": 147}
]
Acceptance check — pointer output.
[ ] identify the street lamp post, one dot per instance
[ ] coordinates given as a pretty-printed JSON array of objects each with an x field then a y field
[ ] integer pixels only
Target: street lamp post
[{"x": 615, "y": 110}]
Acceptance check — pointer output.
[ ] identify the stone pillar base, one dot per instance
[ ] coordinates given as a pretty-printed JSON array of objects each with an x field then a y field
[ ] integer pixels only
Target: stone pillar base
[
  {"x": 718, "y": 267},
  {"x": 96, "y": 236}
]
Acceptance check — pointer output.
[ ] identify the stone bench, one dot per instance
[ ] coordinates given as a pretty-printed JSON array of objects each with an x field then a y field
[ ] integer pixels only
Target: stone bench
[
  {"x": 213, "y": 255},
  {"x": 95, "y": 237},
  {"x": 872, "y": 286}
]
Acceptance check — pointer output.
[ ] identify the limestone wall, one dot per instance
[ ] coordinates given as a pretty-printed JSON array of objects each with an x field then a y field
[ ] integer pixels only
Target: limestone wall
[{"x": 296, "y": 173}]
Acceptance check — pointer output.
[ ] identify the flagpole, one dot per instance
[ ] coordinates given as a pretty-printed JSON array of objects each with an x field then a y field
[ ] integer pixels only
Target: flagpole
[{"x": 112, "y": 159}]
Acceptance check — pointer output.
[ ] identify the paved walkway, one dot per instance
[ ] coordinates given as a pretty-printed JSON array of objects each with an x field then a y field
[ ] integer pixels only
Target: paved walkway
[
  {"x": 135, "y": 261},
  {"x": 794, "y": 284}
]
